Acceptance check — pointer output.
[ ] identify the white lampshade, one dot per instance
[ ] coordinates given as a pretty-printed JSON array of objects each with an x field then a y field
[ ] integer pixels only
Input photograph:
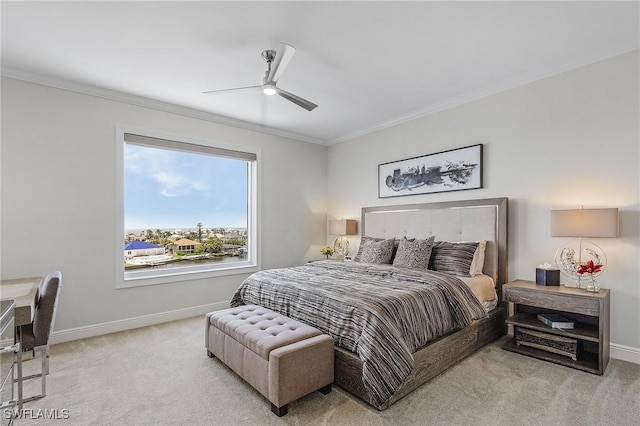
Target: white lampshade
[
  {"x": 590, "y": 223},
  {"x": 342, "y": 227}
]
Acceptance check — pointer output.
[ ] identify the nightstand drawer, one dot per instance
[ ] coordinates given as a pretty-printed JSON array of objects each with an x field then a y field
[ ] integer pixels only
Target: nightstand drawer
[{"x": 548, "y": 300}]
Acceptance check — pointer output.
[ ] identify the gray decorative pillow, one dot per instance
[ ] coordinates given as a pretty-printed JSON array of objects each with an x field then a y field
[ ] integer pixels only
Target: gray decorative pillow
[
  {"x": 363, "y": 242},
  {"x": 454, "y": 259},
  {"x": 413, "y": 254},
  {"x": 376, "y": 251},
  {"x": 366, "y": 238}
]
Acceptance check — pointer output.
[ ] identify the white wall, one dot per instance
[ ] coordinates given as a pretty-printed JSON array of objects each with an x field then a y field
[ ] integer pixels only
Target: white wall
[
  {"x": 58, "y": 193},
  {"x": 565, "y": 141},
  {"x": 558, "y": 143}
]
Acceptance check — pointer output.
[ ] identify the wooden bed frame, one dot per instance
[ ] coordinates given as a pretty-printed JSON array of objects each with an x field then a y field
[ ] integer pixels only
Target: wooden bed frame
[{"x": 469, "y": 220}]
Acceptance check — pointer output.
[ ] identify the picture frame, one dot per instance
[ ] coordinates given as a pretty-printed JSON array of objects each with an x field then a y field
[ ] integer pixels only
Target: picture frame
[{"x": 457, "y": 169}]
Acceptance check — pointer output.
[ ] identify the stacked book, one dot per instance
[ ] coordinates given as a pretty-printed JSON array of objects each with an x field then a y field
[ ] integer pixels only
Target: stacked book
[{"x": 556, "y": 321}]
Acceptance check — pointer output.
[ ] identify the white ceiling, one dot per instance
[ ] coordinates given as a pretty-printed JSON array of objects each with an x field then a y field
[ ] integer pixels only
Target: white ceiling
[{"x": 367, "y": 65}]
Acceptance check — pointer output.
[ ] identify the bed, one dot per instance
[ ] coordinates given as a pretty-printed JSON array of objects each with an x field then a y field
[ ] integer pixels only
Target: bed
[{"x": 385, "y": 350}]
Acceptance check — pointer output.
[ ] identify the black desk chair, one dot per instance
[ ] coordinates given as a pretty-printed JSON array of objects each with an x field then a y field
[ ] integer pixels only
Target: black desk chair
[{"x": 35, "y": 336}]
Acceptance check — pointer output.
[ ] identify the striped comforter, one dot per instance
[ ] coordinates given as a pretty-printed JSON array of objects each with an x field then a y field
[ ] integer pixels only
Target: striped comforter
[{"x": 382, "y": 313}]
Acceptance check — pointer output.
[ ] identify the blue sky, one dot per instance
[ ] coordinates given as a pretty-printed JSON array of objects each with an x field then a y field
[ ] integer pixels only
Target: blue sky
[{"x": 175, "y": 190}]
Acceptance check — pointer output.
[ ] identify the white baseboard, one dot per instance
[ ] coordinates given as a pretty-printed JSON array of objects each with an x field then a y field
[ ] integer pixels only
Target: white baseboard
[
  {"x": 131, "y": 323},
  {"x": 625, "y": 353}
]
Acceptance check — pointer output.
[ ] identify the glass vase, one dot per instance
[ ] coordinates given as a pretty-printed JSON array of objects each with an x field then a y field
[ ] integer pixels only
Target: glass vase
[{"x": 592, "y": 285}]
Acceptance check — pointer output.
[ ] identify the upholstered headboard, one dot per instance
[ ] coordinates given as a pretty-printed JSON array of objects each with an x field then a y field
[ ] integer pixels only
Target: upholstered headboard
[{"x": 469, "y": 220}]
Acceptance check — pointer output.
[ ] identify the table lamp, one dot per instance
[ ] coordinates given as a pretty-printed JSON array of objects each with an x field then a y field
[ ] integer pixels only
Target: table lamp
[
  {"x": 341, "y": 228},
  {"x": 582, "y": 223}
]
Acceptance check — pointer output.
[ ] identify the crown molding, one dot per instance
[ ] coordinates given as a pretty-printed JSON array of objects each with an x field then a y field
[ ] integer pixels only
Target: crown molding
[
  {"x": 114, "y": 95},
  {"x": 540, "y": 74}
]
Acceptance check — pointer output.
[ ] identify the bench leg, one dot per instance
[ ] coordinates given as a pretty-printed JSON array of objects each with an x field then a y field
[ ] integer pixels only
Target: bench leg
[
  {"x": 280, "y": 411},
  {"x": 210, "y": 354},
  {"x": 325, "y": 390}
]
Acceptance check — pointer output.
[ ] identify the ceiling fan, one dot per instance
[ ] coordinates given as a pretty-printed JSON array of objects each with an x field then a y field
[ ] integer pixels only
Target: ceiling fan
[{"x": 277, "y": 62}]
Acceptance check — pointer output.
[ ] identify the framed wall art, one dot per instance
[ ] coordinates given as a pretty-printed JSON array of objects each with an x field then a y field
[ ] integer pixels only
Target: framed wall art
[{"x": 453, "y": 170}]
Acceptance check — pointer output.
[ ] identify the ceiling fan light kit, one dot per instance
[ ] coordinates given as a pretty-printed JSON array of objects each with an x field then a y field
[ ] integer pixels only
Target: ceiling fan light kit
[
  {"x": 269, "y": 89},
  {"x": 277, "y": 62}
]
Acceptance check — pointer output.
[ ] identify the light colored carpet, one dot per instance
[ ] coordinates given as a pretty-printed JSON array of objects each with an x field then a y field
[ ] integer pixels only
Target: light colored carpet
[{"x": 161, "y": 375}]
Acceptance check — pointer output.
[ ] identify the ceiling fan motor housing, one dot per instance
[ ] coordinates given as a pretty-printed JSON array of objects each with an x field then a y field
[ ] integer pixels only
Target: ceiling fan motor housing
[{"x": 269, "y": 55}]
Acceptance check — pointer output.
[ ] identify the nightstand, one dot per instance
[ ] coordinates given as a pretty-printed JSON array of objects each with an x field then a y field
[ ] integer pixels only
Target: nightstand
[{"x": 589, "y": 339}]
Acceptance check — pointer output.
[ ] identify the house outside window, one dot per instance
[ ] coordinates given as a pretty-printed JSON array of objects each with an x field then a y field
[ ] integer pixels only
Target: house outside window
[
  {"x": 184, "y": 245},
  {"x": 187, "y": 209}
]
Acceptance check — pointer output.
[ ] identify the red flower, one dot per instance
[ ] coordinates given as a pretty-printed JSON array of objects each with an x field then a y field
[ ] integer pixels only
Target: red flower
[{"x": 589, "y": 268}]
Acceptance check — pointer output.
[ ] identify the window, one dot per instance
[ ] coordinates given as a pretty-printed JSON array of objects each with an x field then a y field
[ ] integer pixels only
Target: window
[{"x": 187, "y": 209}]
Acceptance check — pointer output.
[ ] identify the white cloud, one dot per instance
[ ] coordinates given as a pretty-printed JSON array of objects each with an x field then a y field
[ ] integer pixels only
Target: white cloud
[{"x": 167, "y": 168}]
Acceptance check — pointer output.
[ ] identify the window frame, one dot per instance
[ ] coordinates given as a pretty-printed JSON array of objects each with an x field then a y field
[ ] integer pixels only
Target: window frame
[{"x": 171, "y": 275}]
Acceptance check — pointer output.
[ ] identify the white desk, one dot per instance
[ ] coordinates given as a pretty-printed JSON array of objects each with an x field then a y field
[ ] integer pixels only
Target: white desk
[{"x": 25, "y": 293}]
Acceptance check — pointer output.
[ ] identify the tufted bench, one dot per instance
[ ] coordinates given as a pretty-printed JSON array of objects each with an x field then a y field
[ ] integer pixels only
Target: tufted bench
[{"x": 281, "y": 358}]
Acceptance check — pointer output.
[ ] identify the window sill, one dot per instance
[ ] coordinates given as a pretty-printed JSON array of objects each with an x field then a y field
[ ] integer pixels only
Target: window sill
[{"x": 167, "y": 277}]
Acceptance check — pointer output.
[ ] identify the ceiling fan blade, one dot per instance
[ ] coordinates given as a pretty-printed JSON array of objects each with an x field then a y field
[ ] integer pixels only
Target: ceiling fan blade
[
  {"x": 309, "y": 106},
  {"x": 211, "y": 92},
  {"x": 283, "y": 56}
]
